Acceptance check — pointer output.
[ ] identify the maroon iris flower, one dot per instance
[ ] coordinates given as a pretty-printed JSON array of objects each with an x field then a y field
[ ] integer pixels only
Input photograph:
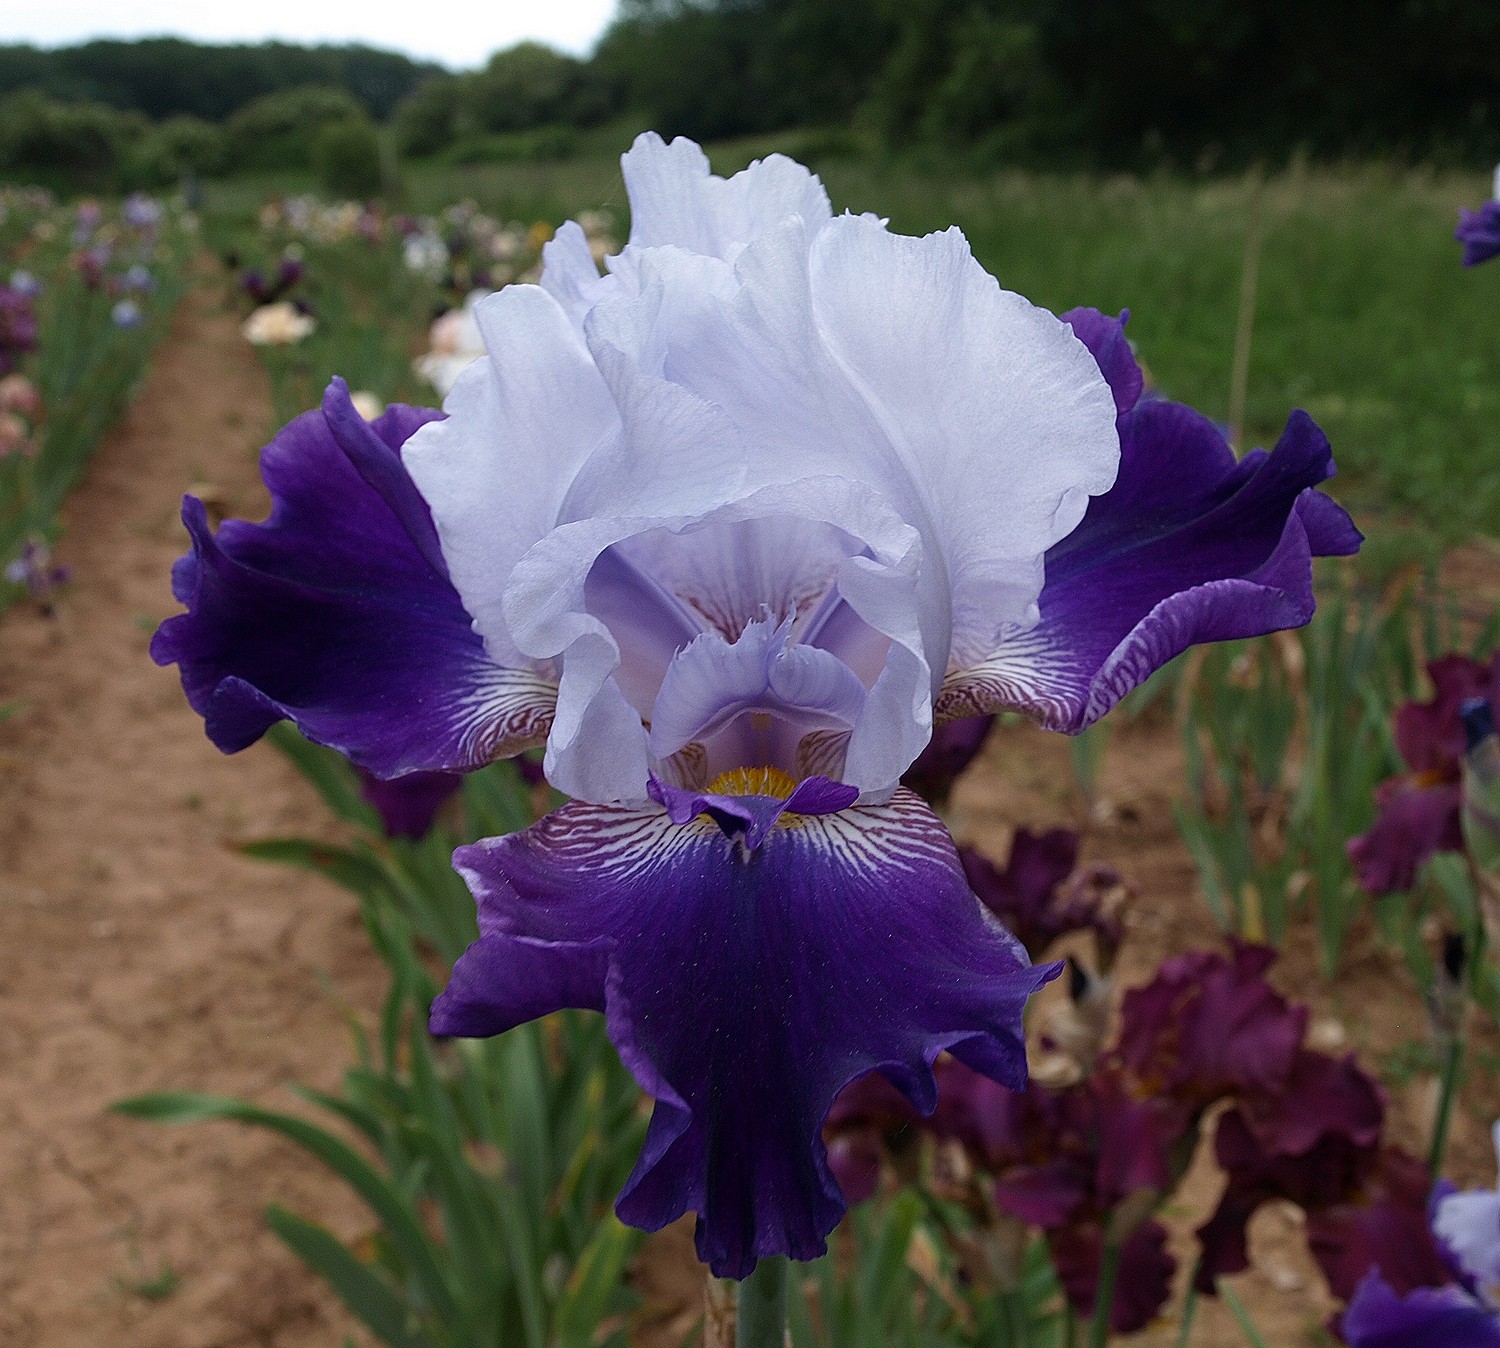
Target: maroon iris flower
[
  {"x": 18, "y": 327},
  {"x": 1041, "y": 895},
  {"x": 1418, "y": 813},
  {"x": 1318, "y": 1146}
]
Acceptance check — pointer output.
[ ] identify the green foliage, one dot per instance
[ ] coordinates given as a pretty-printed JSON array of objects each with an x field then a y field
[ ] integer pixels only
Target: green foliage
[
  {"x": 434, "y": 115},
  {"x": 279, "y": 130},
  {"x": 64, "y": 145},
  {"x": 527, "y": 89},
  {"x": 1286, "y": 739},
  {"x": 346, "y": 158},
  {"x": 524, "y": 86},
  {"x": 85, "y": 370},
  {"x": 178, "y": 148},
  {"x": 164, "y": 77},
  {"x": 545, "y": 145},
  {"x": 1125, "y": 84},
  {"x": 495, "y": 1160}
]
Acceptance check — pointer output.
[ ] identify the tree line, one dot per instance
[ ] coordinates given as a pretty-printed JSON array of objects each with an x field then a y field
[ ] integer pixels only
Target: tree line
[{"x": 1084, "y": 83}]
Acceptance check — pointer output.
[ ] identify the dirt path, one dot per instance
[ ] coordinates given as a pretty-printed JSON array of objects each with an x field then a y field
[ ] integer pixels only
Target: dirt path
[{"x": 137, "y": 951}]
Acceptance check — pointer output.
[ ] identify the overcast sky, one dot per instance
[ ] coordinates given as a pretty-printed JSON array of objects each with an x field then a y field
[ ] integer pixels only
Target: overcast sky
[{"x": 461, "y": 36}]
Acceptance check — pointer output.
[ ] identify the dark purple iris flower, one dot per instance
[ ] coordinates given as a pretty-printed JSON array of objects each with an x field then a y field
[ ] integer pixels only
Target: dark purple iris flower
[
  {"x": 1459, "y": 1305},
  {"x": 1419, "y": 813},
  {"x": 408, "y": 805},
  {"x": 1143, "y": 1282},
  {"x": 1317, "y": 1144},
  {"x": 1479, "y": 232},
  {"x": 1207, "y": 1027},
  {"x": 18, "y": 327},
  {"x": 288, "y": 273},
  {"x": 1040, "y": 895},
  {"x": 951, "y": 749},
  {"x": 729, "y": 529}
]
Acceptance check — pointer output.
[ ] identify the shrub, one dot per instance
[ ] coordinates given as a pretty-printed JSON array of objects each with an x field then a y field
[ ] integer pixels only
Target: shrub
[
  {"x": 69, "y": 146},
  {"x": 346, "y": 158},
  {"x": 278, "y": 131},
  {"x": 173, "y": 150},
  {"x": 435, "y": 115}
]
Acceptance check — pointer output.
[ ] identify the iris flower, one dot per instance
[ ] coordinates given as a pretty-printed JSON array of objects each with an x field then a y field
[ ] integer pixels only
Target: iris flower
[
  {"x": 729, "y": 529},
  {"x": 1463, "y": 1309},
  {"x": 1479, "y": 231}
]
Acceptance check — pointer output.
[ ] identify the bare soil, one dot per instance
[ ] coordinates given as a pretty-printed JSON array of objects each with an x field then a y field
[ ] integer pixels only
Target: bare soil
[{"x": 139, "y": 951}]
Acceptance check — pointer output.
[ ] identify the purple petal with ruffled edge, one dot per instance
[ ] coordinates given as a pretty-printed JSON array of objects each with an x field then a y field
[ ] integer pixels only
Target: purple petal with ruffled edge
[
  {"x": 1106, "y": 340},
  {"x": 1190, "y": 545},
  {"x": 1441, "y": 1317},
  {"x": 337, "y": 612},
  {"x": 1479, "y": 232},
  {"x": 744, "y": 988}
]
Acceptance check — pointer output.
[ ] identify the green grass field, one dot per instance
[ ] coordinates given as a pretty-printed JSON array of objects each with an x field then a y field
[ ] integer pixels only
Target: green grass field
[{"x": 1364, "y": 316}]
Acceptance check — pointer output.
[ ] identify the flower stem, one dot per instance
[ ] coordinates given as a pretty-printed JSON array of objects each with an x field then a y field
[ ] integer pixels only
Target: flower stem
[
  {"x": 1104, "y": 1298},
  {"x": 1447, "y": 1090},
  {"x": 1189, "y": 1306},
  {"x": 762, "y": 1314}
]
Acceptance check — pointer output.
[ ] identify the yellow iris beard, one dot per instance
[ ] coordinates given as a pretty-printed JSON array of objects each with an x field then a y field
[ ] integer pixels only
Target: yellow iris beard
[{"x": 754, "y": 782}]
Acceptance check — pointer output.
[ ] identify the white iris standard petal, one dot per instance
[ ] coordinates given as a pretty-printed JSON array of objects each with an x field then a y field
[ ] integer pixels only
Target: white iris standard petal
[{"x": 749, "y": 495}]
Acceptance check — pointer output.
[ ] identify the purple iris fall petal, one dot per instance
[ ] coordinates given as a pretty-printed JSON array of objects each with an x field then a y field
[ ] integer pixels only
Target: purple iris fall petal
[
  {"x": 336, "y": 613},
  {"x": 744, "y": 989},
  {"x": 1479, "y": 232},
  {"x": 1426, "y": 1317},
  {"x": 1191, "y": 545}
]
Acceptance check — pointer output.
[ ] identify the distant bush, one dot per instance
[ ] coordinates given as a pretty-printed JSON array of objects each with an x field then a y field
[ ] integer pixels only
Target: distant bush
[
  {"x": 70, "y": 146},
  {"x": 175, "y": 149},
  {"x": 278, "y": 131},
  {"x": 434, "y": 115},
  {"x": 527, "y": 88},
  {"x": 545, "y": 144},
  {"x": 346, "y": 158}
]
